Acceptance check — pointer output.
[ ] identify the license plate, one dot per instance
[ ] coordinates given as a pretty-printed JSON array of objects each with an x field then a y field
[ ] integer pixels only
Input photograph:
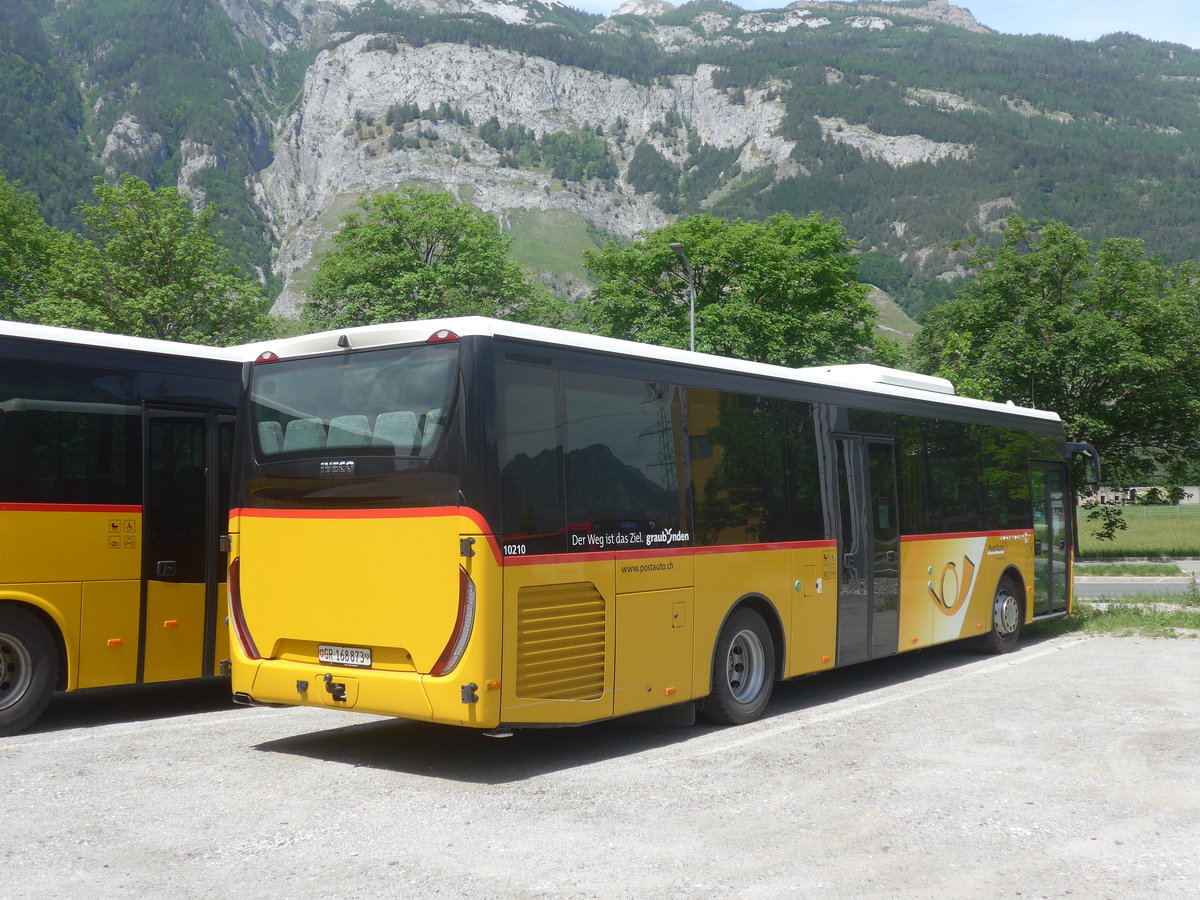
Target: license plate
[{"x": 359, "y": 657}]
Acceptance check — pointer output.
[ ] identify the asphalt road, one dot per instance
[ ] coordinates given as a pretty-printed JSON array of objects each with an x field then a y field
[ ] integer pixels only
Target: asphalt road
[
  {"x": 1069, "y": 768},
  {"x": 1099, "y": 588}
]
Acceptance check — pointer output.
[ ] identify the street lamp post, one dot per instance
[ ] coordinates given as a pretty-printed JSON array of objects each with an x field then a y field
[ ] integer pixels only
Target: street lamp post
[{"x": 691, "y": 280}]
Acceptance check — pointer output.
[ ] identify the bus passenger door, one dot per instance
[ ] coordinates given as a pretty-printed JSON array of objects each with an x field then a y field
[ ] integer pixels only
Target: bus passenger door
[
  {"x": 869, "y": 547},
  {"x": 187, "y": 455},
  {"x": 1051, "y": 538}
]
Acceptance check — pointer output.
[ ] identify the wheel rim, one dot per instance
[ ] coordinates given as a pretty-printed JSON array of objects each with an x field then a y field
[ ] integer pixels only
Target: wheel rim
[
  {"x": 1007, "y": 613},
  {"x": 16, "y": 670},
  {"x": 745, "y": 666}
]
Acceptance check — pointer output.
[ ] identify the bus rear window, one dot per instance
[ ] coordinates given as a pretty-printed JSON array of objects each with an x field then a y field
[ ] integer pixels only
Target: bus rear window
[{"x": 391, "y": 402}]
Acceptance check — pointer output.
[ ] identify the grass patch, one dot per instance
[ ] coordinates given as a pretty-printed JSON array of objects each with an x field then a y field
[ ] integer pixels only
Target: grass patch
[
  {"x": 550, "y": 241},
  {"x": 893, "y": 321},
  {"x": 1153, "y": 531},
  {"x": 1128, "y": 568},
  {"x": 1153, "y": 616}
]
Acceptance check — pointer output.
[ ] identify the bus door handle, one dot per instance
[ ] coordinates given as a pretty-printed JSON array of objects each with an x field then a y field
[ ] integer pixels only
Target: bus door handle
[{"x": 166, "y": 568}]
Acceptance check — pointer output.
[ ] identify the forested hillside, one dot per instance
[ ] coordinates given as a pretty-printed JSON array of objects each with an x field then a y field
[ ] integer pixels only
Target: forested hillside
[
  {"x": 913, "y": 132},
  {"x": 41, "y": 115}
]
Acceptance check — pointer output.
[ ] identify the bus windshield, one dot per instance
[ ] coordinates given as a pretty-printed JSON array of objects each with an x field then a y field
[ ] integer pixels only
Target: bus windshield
[{"x": 390, "y": 402}]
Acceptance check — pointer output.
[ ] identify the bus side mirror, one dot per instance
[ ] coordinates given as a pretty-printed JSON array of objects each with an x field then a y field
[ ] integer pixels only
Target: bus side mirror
[{"x": 1093, "y": 461}]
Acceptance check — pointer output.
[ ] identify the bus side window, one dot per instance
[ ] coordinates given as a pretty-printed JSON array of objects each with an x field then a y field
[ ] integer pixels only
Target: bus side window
[
  {"x": 956, "y": 478},
  {"x": 530, "y": 460},
  {"x": 69, "y": 434},
  {"x": 806, "y": 509},
  {"x": 741, "y": 487},
  {"x": 1005, "y": 454},
  {"x": 621, "y": 464}
]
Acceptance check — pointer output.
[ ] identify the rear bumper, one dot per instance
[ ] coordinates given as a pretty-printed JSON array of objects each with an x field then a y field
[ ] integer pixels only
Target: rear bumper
[{"x": 405, "y": 695}]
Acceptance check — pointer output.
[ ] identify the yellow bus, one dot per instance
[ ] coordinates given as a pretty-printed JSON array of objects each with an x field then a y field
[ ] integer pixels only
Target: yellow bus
[
  {"x": 114, "y": 475},
  {"x": 495, "y": 525}
]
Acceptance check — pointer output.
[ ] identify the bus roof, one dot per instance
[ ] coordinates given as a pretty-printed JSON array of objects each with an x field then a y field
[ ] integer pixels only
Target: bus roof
[
  {"x": 864, "y": 378},
  {"x": 53, "y": 334}
]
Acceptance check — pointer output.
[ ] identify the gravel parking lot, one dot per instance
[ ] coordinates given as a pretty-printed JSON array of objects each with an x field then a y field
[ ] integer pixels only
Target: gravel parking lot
[{"x": 1070, "y": 768}]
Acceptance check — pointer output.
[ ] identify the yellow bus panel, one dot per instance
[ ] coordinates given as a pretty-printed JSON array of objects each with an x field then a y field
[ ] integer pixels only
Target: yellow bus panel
[
  {"x": 174, "y": 631},
  {"x": 559, "y": 622},
  {"x": 221, "y": 650},
  {"x": 108, "y": 640},
  {"x": 410, "y": 614},
  {"x": 812, "y": 634},
  {"x": 948, "y": 583},
  {"x": 654, "y": 653},
  {"x": 72, "y": 542},
  {"x": 389, "y": 568}
]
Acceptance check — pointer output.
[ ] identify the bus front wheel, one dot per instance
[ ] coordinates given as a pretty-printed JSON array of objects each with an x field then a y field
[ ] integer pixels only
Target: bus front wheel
[
  {"x": 743, "y": 670},
  {"x": 1006, "y": 618},
  {"x": 28, "y": 668}
]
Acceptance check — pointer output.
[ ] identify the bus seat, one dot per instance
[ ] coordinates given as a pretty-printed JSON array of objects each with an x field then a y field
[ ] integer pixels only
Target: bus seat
[
  {"x": 304, "y": 434},
  {"x": 348, "y": 431},
  {"x": 270, "y": 436},
  {"x": 430, "y": 427},
  {"x": 397, "y": 429}
]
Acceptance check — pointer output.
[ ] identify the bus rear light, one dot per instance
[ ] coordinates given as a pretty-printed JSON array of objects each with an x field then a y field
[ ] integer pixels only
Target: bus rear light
[
  {"x": 463, "y": 626},
  {"x": 235, "y": 611},
  {"x": 267, "y": 356},
  {"x": 442, "y": 337}
]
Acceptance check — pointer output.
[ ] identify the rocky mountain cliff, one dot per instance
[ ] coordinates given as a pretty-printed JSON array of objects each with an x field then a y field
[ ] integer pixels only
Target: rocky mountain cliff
[
  {"x": 909, "y": 120},
  {"x": 318, "y": 159}
]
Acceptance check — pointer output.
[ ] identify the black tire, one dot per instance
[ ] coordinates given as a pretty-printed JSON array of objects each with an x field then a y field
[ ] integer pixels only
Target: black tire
[
  {"x": 28, "y": 668},
  {"x": 1008, "y": 612},
  {"x": 743, "y": 670}
]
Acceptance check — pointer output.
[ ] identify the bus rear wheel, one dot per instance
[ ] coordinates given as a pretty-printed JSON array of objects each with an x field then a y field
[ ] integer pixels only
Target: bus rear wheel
[
  {"x": 1007, "y": 614},
  {"x": 28, "y": 668},
  {"x": 743, "y": 670}
]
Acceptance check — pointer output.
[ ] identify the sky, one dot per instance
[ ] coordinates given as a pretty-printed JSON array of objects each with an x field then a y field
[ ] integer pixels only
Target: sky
[{"x": 1085, "y": 20}]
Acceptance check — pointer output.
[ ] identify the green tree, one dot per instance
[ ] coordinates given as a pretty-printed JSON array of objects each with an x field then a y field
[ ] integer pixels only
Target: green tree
[
  {"x": 780, "y": 291},
  {"x": 26, "y": 248},
  {"x": 154, "y": 270},
  {"x": 1108, "y": 338},
  {"x": 420, "y": 255}
]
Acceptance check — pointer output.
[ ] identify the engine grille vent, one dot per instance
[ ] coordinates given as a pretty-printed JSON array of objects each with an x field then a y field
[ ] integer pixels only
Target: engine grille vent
[{"x": 560, "y": 642}]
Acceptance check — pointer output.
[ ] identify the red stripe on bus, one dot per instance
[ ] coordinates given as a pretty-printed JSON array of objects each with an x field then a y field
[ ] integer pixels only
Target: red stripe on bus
[
  {"x": 617, "y": 554},
  {"x": 427, "y": 512},
  {"x": 553, "y": 559},
  {"x": 773, "y": 545},
  {"x": 906, "y": 538},
  {"x": 69, "y": 507}
]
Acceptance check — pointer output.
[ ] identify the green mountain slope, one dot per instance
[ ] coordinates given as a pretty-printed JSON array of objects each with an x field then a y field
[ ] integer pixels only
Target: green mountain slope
[
  {"x": 41, "y": 115},
  {"x": 913, "y": 132}
]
